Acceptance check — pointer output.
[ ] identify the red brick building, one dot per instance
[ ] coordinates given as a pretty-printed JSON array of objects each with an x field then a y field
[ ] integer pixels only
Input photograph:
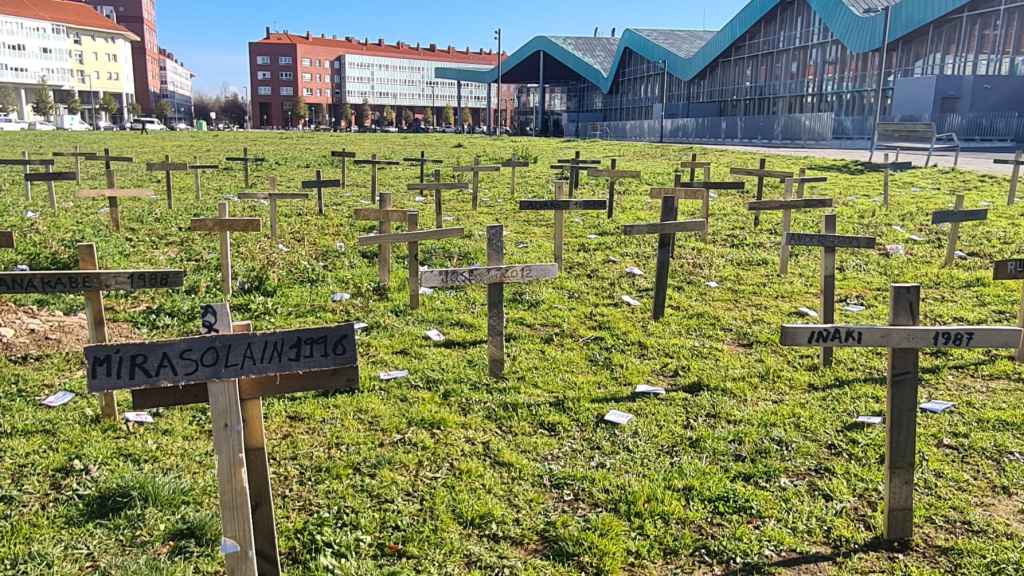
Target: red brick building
[
  {"x": 138, "y": 16},
  {"x": 326, "y": 73}
]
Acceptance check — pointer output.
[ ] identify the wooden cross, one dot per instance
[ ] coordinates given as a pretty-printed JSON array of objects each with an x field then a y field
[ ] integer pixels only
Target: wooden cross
[
  {"x": 344, "y": 155},
  {"x": 412, "y": 237},
  {"x": 197, "y": 169},
  {"x": 476, "y": 168},
  {"x": 666, "y": 229},
  {"x": 384, "y": 215},
  {"x": 231, "y": 371},
  {"x": 1017, "y": 162},
  {"x": 7, "y": 240},
  {"x": 50, "y": 177},
  {"x": 113, "y": 195},
  {"x": 224, "y": 226},
  {"x": 761, "y": 172},
  {"x": 689, "y": 194},
  {"x": 693, "y": 165},
  {"x": 514, "y": 163},
  {"x": 26, "y": 163},
  {"x": 374, "y": 164},
  {"x": 559, "y": 206},
  {"x": 77, "y": 155},
  {"x": 829, "y": 241},
  {"x": 91, "y": 282},
  {"x": 495, "y": 275},
  {"x": 167, "y": 167},
  {"x": 574, "y": 166},
  {"x": 319, "y": 183},
  {"x": 887, "y": 168},
  {"x": 904, "y": 339},
  {"x": 613, "y": 177},
  {"x": 1012, "y": 270},
  {"x": 273, "y": 197},
  {"x": 786, "y": 206},
  {"x": 422, "y": 161},
  {"x": 954, "y": 217},
  {"x": 437, "y": 187},
  {"x": 246, "y": 160}
]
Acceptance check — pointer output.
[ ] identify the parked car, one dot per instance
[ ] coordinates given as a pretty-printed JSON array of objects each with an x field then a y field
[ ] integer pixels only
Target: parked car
[
  {"x": 390, "y": 129},
  {"x": 181, "y": 127},
  {"x": 41, "y": 126},
  {"x": 150, "y": 124},
  {"x": 104, "y": 126},
  {"x": 8, "y": 124},
  {"x": 72, "y": 122}
]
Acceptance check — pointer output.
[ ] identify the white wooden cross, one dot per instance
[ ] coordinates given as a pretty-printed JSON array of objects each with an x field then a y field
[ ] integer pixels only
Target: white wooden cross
[
  {"x": 26, "y": 163},
  {"x": 77, "y": 155},
  {"x": 197, "y": 178},
  {"x": 412, "y": 237},
  {"x": 495, "y": 275},
  {"x": 384, "y": 215},
  {"x": 613, "y": 175},
  {"x": 666, "y": 230},
  {"x": 1012, "y": 270},
  {"x": 559, "y": 206},
  {"x": 954, "y": 217},
  {"x": 761, "y": 172},
  {"x": 786, "y": 206},
  {"x": 513, "y": 164},
  {"x": 272, "y": 198},
  {"x": 476, "y": 168},
  {"x": 344, "y": 155},
  {"x": 319, "y": 184},
  {"x": 374, "y": 165},
  {"x": 904, "y": 339},
  {"x": 245, "y": 160},
  {"x": 224, "y": 226},
  {"x": 1016, "y": 162},
  {"x": 829, "y": 241},
  {"x": 422, "y": 162},
  {"x": 887, "y": 168},
  {"x": 437, "y": 187},
  {"x": 50, "y": 177},
  {"x": 226, "y": 363},
  {"x": 167, "y": 167},
  {"x": 91, "y": 282}
]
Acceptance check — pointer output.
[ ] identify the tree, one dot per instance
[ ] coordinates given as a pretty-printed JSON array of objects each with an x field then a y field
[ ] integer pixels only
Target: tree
[
  {"x": 363, "y": 114},
  {"x": 204, "y": 104},
  {"x": 109, "y": 105},
  {"x": 43, "y": 104},
  {"x": 407, "y": 117},
  {"x": 74, "y": 106},
  {"x": 8, "y": 99},
  {"x": 467, "y": 117},
  {"x": 299, "y": 110},
  {"x": 389, "y": 116},
  {"x": 163, "y": 110},
  {"x": 448, "y": 115},
  {"x": 428, "y": 116},
  {"x": 134, "y": 108},
  {"x": 233, "y": 110},
  {"x": 346, "y": 115}
]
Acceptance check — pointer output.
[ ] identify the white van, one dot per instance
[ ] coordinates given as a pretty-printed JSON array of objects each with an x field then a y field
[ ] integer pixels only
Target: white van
[
  {"x": 72, "y": 122},
  {"x": 8, "y": 124},
  {"x": 150, "y": 124}
]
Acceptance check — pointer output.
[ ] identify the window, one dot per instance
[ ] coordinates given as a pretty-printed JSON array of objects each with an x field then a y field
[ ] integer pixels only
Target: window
[
  {"x": 337, "y": 79},
  {"x": 263, "y": 75},
  {"x": 307, "y": 62},
  {"x": 319, "y": 78},
  {"x": 287, "y": 75},
  {"x": 307, "y": 77},
  {"x": 287, "y": 91},
  {"x": 263, "y": 60},
  {"x": 284, "y": 60},
  {"x": 337, "y": 64},
  {"x": 264, "y": 90},
  {"x": 307, "y": 91}
]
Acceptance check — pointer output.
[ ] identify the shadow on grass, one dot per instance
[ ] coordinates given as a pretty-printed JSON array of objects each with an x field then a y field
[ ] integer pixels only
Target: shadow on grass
[{"x": 819, "y": 559}]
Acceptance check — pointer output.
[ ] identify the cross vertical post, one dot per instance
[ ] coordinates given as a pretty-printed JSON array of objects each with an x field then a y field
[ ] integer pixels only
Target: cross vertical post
[
  {"x": 438, "y": 217},
  {"x": 167, "y": 167},
  {"x": 559, "y": 205},
  {"x": 413, "y": 262},
  {"x": 901, "y": 417},
  {"x": 384, "y": 227},
  {"x": 96, "y": 318},
  {"x": 224, "y": 225},
  {"x": 1016, "y": 162},
  {"x": 496, "y": 304},
  {"x": 828, "y": 283},
  {"x": 476, "y": 168},
  {"x": 197, "y": 178},
  {"x": 225, "y": 252},
  {"x": 613, "y": 175},
  {"x": 787, "y": 218},
  {"x": 514, "y": 163},
  {"x": 28, "y": 183}
]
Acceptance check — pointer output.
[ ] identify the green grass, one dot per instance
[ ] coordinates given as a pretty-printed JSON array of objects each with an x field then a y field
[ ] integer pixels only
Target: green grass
[{"x": 749, "y": 465}]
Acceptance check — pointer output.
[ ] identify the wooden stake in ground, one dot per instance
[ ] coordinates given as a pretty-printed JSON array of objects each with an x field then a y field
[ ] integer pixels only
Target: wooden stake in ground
[
  {"x": 761, "y": 172},
  {"x": 693, "y": 165},
  {"x": 7, "y": 240},
  {"x": 613, "y": 175},
  {"x": 319, "y": 184},
  {"x": 422, "y": 161},
  {"x": 904, "y": 339},
  {"x": 1012, "y": 270},
  {"x": 197, "y": 178},
  {"x": 666, "y": 229},
  {"x": 344, "y": 155},
  {"x": 412, "y": 237},
  {"x": 574, "y": 166},
  {"x": 514, "y": 163},
  {"x": 273, "y": 197},
  {"x": 113, "y": 196},
  {"x": 887, "y": 169},
  {"x": 437, "y": 187},
  {"x": 495, "y": 275},
  {"x": 374, "y": 165},
  {"x": 786, "y": 206},
  {"x": 77, "y": 155},
  {"x": 1017, "y": 162},
  {"x": 829, "y": 241},
  {"x": 26, "y": 163},
  {"x": 559, "y": 206},
  {"x": 50, "y": 177},
  {"x": 91, "y": 282},
  {"x": 246, "y": 160},
  {"x": 224, "y": 226},
  {"x": 323, "y": 358},
  {"x": 476, "y": 168},
  {"x": 689, "y": 194},
  {"x": 167, "y": 167},
  {"x": 954, "y": 217}
]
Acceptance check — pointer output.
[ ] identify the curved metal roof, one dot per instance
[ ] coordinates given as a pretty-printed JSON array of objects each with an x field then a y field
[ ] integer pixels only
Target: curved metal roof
[{"x": 688, "y": 52}]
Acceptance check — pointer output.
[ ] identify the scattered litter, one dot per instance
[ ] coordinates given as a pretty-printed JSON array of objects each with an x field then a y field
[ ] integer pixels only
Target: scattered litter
[
  {"x": 712, "y": 195},
  {"x": 937, "y": 406},
  {"x": 986, "y": 204},
  {"x": 630, "y": 300},
  {"x": 103, "y": 210},
  {"x": 618, "y": 417},
  {"x": 634, "y": 271},
  {"x": 340, "y": 297},
  {"x": 960, "y": 255},
  {"x": 915, "y": 189},
  {"x": 870, "y": 420},
  {"x": 31, "y": 214},
  {"x": 895, "y": 250},
  {"x": 613, "y": 260},
  {"x": 6, "y": 333},
  {"x": 364, "y": 201},
  {"x": 22, "y": 268},
  {"x": 899, "y": 229},
  {"x": 229, "y": 546},
  {"x": 522, "y": 244},
  {"x": 914, "y": 238},
  {"x": 853, "y": 308},
  {"x": 448, "y": 218},
  {"x": 807, "y": 312},
  {"x": 138, "y": 417},
  {"x": 231, "y": 198},
  {"x": 360, "y": 326},
  {"x": 420, "y": 199},
  {"x": 426, "y": 291},
  {"x": 645, "y": 390},
  {"x": 394, "y": 375},
  {"x": 435, "y": 335},
  {"x": 591, "y": 236},
  {"x": 282, "y": 247},
  {"x": 59, "y": 399},
  {"x": 340, "y": 246},
  {"x": 711, "y": 284}
]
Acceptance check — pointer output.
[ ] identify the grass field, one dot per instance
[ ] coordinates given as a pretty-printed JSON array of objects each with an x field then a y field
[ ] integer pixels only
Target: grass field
[{"x": 750, "y": 464}]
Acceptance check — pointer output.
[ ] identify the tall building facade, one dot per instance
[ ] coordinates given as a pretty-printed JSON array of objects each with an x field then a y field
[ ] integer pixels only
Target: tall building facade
[
  {"x": 138, "y": 16},
  {"x": 66, "y": 48},
  {"x": 176, "y": 88},
  {"x": 327, "y": 73}
]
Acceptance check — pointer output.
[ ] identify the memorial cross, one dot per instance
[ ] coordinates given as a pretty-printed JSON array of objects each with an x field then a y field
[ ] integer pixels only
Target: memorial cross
[
  {"x": 613, "y": 175},
  {"x": 1012, "y": 270},
  {"x": 197, "y": 178},
  {"x": 887, "y": 168},
  {"x": 954, "y": 218},
  {"x": 476, "y": 168},
  {"x": 689, "y": 194},
  {"x": 246, "y": 160},
  {"x": 786, "y": 206},
  {"x": 761, "y": 172},
  {"x": 319, "y": 184},
  {"x": 50, "y": 177},
  {"x": 26, "y": 163},
  {"x": 374, "y": 164},
  {"x": 272, "y": 198},
  {"x": 559, "y": 206},
  {"x": 167, "y": 167},
  {"x": 437, "y": 187},
  {"x": 514, "y": 163},
  {"x": 224, "y": 226},
  {"x": 344, "y": 155},
  {"x": 422, "y": 162},
  {"x": 1016, "y": 162},
  {"x": 77, "y": 155}
]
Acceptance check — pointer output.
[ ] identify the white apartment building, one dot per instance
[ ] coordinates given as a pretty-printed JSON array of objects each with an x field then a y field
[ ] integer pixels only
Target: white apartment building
[{"x": 385, "y": 81}]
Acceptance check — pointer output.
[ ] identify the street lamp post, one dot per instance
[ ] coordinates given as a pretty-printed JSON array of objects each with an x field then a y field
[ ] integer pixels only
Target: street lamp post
[
  {"x": 497, "y": 36},
  {"x": 664, "y": 98}
]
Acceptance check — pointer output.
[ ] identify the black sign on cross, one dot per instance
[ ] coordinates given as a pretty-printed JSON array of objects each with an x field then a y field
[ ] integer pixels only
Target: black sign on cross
[
  {"x": 761, "y": 172},
  {"x": 239, "y": 369},
  {"x": 344, "y": 155},
  {"x": 495, "y": 275},
  {"x": 829, "y": 241},
  {"x": 954, "y": 217},
  {"x": 904, "y": 339},
  {"x": 246, "y": 160},
  {"x": 319, "y": 184},
  {"x": 476, "y": 168},
  {"x": 559, "y": 206},
  {"x": 374, "y": 164},
  {"x": 26, "y": 163},
  {"x": 1012, "y": 270},
  {"x": 574, "y": 166},
  {"x": 613, "y": 175},
  {"x": 437, "y": 187},
  {"x": 77, "y": 155},
  {"x": 666, "y": 229},
  {"x": 422, "y": 162},
  {"x": 7, "y": 240},
  {"x": 50, "y": 177},
  {"x": 1016, "y": 162},
  {"x": 167, "y": 167},
  {"x": 513, "y": 164},
  {"x": 197, "y": 178}
]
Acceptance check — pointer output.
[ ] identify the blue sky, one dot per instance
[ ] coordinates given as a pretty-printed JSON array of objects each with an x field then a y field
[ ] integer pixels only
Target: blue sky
[{"x": 211, "y": 36}]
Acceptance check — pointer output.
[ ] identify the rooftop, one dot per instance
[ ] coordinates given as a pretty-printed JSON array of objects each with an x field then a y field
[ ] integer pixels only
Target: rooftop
[
  {"x": 69, "y": 12},
  {"x": 350, "y": 45}
]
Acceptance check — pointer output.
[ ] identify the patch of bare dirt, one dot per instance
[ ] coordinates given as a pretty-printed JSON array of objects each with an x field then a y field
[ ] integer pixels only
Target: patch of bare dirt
[{"x": 31, "y": 330}]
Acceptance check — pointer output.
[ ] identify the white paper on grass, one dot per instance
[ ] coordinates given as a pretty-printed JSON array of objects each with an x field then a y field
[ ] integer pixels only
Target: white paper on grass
[
  {"x": 613, "y": 260},
  {"x": 31, "y": 214},
  {"x": 229, "y": 546},
  {"x": 393, "y": 375},
  {"x": 340, "y": 297},
  {"x": 521, "y": 244},
  {"x": 895, "y": 250},
  {"x": 915, "y": 238},
  {"x": 340, "y": 246},
  {"x": 618, "y": 417},
  {"x": 937, "y": 406},
  {"x": 435, "y": 335},
  {"x": 282, "y": 248},
  {"x": 630, "y": 300},
  {"x": 870, "y": 420},
  {"x": 807, "y": 312},
  {"x": 426, "y": 291},
  {"x": 420, "y": 199},
  {"x": 711, "y": 284},
  {"x": 960, "y": 255},
  {"x": 22, "y": 268},
  {"x": 360, "y": 326},
  {"x": 645, "y": 390},
  {"x": 853, "y": 308},
  {"x": 591, "y": 236},
  {"x": 138, "y": 417},
  {"x": 59, "y": 399},
  {"x": 634, "y": 271}
]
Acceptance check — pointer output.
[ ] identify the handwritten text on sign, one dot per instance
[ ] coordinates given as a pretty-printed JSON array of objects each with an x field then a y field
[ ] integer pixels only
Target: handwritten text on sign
[
  {"x": 490, "y": 275},
  {"x": 218, "y": 357},
  {"x": 74, "y": 281},
  {"x": 900, "y": 336}
]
